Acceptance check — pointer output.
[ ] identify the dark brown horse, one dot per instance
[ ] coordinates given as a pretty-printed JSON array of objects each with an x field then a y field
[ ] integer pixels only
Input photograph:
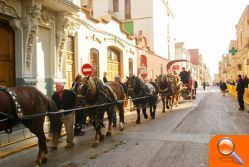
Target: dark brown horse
[
  {"x": 166, "y": 91},
  {"x": 142, "y": 94},
  {"x": 93, "y": 92},
  {"x": 31, "y": 101}
]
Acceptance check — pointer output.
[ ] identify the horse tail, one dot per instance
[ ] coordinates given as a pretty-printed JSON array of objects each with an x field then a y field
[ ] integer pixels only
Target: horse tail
[{"x": 55, "y": 125}]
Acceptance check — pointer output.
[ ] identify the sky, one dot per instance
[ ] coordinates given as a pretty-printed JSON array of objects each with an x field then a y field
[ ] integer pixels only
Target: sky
[{"x": 208, "y": 25}]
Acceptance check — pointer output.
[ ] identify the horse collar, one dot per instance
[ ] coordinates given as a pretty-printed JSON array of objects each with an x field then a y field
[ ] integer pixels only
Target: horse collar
[{"x": 13, "y": 97}]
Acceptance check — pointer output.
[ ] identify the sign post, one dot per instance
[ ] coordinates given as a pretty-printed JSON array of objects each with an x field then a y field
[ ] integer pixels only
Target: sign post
[{"x": 87, "y": 69}]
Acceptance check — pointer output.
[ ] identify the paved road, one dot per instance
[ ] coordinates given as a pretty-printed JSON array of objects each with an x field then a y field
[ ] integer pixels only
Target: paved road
[{"x": 178, "y": 138}]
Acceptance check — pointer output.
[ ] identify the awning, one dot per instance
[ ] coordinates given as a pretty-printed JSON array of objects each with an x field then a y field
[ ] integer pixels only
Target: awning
[{"x": 175, "y": 61}]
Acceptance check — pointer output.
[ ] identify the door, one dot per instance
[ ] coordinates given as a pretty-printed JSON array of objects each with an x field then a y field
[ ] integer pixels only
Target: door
[
  {"x": 7, "y": 57},
  {"x": 70, "y": 67},
  {"x": 113, "y": 64}
]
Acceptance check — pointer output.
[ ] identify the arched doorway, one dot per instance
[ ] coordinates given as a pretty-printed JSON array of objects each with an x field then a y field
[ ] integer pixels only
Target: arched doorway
[
  {"x": 7, "y": 55},
  {"x": 94, "y": 60},
  {"x": 113, "y": 63},
  {"x": 143, "y": 66},
  {"x": 130, "y": 67}
]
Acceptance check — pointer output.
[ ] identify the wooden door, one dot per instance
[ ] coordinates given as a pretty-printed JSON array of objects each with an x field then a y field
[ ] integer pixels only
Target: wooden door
[
  {"x": 113, "y": 64},
  {"x": 70, "y": 67},
  {"x": 7, "y": 56}
]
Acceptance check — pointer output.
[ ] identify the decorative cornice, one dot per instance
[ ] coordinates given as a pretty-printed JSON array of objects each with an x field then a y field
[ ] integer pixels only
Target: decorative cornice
[{"x": 11, "y": 8}]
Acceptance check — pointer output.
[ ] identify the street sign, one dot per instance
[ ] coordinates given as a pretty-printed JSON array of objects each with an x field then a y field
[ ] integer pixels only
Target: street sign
[
  {"x": 87, "y": 69},
  {"x": 176, "y": 67}
]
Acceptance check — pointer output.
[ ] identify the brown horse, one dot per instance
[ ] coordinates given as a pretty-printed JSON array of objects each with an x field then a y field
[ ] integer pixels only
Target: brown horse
[
  {"x": 119, "y": 91},
  {"x": 94, "y": 93},
  {"x": 31, "y": 102}
]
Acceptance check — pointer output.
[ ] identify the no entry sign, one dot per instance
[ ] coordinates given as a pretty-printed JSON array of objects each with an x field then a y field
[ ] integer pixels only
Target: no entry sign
[
  {"x": 176, "y": 67},
  {"x": 87, "y": 69}
]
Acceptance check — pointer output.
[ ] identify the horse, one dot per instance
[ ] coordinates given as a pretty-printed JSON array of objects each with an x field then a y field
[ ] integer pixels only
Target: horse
[
  {"x": 16, "y": 103},
  {"x": 120, "y": 93},
  {"x": 177, "y": 88},
  {"x": 93, "y": 92},
  {"x": 166, "y": 91},
  {"x": 142, "y": 95}
]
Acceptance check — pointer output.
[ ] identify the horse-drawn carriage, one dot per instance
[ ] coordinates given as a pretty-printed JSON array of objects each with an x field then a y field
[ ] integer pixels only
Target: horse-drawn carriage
[{"x": 186, "y": 92}]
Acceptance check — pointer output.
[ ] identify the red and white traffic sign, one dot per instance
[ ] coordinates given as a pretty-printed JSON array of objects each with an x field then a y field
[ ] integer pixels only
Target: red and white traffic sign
[
  {"x": 176, "y": 67},
  {"x": 87, "y": 69}
]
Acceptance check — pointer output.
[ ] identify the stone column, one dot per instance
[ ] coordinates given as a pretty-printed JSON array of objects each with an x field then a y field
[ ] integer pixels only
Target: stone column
[{"x": 32, "y": 11}]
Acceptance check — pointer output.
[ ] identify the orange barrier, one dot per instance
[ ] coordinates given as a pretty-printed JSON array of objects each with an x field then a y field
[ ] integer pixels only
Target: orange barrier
[{"x": 232, "y": 91}]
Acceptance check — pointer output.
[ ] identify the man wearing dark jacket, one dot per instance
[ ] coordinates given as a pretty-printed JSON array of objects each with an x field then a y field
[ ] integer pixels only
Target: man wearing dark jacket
[
  {"x": 64, "y": 100},
  {"x": 195, "y": 85},
  {"x": 240, "y": 92},
  {"x": 223, "y": 88},
  {"x": 184, "y": 75}
]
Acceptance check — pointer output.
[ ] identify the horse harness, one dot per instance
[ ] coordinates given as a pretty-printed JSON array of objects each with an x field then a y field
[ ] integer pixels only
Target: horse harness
[{"x": 13, "y": 96}]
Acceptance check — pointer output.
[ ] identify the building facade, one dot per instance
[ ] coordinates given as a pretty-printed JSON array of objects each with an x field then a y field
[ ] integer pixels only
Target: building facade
[
  {"x": 49, "y": 40},
  {"x": 151, "y": 18}
]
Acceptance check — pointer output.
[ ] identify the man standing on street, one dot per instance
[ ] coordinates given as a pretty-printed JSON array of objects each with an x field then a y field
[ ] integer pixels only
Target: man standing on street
[
  {"x": 195, "y": 85},
  {"x": 204, "y": 85},
  {"x": 64, "y": 100},
  {"x": 240, "y": 92},
  {"x": 223, "y": 88}
]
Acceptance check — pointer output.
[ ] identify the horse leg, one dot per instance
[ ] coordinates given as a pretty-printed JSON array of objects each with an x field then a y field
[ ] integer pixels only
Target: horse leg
[
  {"x": 138, "y": 115},
  {"x": 36, "y": 127},
  {"x": 154, "y": 108},
  {"x": 110, "y": 113},
  {"x": 121, "y": 117},
  {"x": 144, "y": 111},
  {"x": 97, "y": 121},
  {"x": 163, "y": 99},
  {"x": 151, "y": 112}
]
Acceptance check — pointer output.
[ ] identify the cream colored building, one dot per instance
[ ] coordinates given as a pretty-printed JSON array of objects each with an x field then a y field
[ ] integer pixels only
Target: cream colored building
[
  {"x": 242, "y": 30},
  {"x": 49, "y": 40},
  {"x": 151, "y": 18}
]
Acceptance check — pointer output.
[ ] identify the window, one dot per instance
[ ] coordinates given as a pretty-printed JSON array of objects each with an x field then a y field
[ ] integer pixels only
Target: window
[
  {"x": 127, "y": 9},
  {"x": 115, "y": 5}
]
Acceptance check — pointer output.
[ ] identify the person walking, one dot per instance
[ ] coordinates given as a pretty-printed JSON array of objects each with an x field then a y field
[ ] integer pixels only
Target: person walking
[
  {"x": 105, "y": 78},
  {"x": 64, "y": 100},
  {"x": 223, "y": 88},
  {"x": 204, "y": 85},
  {"x": 195, "y": 86},
  {"x": 240, "y": 92}
]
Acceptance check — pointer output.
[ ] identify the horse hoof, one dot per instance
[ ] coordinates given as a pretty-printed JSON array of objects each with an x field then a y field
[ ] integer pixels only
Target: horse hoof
[
  {"x": 108, "y": 134},
  {"x": 138, "y": 122},
  {"x": 44, "y": 160},
  {"x": 95, "y": 144},
  {"x": 38, "y": 162},
  {"x": 121, "y": 126},
  {"x": 167, "y": 107},
  {"x": 163, "y": 111},
  {"x": 153, "y": 117},
  {"x": 102, "y": 137},
  {"x": 146, "y": 116}
]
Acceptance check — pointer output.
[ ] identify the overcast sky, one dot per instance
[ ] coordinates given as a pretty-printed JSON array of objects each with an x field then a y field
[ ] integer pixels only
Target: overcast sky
[{"x": 208, "y": 25}]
